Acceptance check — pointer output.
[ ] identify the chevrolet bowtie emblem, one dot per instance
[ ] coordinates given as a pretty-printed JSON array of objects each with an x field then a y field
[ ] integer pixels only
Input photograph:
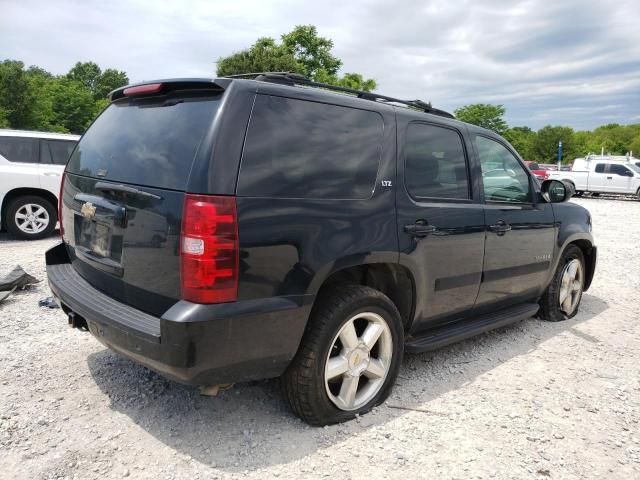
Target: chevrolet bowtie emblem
[{"x": 88, "y": 210}]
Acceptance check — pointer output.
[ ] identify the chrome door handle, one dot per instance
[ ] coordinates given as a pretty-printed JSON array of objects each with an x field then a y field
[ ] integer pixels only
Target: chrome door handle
[
  {"x": 500, "y": 228},
  {"x": 52, "y": 174},
  {"x": 419, "y": 229}
]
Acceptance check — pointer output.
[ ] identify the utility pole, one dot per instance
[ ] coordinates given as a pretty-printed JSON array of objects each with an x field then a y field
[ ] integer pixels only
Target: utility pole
[{"x": 559, "y": 155}]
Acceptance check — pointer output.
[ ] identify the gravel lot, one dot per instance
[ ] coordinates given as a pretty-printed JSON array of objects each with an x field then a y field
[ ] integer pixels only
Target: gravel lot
[{"x": 534, "y": 400}]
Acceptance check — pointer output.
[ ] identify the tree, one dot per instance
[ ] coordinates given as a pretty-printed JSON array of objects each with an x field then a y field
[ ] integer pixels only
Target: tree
[
  {"x": 522, "y": 139},
  {"x": 300, "y": 51},
  {"x": 546, "y": 144},
  {"x": 15, "y": 94},
  {"x": 100, "y": 83},
  {"x": 484, "y": 115},
  {"x": 73, "y": 105}
]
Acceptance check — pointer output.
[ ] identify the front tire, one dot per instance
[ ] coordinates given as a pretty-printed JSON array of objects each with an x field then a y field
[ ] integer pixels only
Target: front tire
[
  {"x": 30, "y": 217},
  {"x": 349, "y": 356},
  {"x": 561, "y": 300}
]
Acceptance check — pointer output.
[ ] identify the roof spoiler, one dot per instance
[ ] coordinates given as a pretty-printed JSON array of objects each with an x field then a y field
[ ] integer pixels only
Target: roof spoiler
[{"x": 157, "y": 87}]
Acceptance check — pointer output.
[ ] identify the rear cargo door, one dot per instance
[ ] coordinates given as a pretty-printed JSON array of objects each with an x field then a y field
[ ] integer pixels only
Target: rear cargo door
[{"x": 123, "y": 195}]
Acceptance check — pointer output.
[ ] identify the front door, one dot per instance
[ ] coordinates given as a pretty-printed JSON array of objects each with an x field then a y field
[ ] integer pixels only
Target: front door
[
  {"x": 621, "y": 178},
  {"x": 521, "y": 234},
  {"x": 440, "y": 221}
]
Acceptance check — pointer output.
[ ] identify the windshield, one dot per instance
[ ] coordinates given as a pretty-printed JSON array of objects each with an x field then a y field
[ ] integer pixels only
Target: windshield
[
  {"x": 635, "y": 168},
  {"x": 146, "y": 142}
]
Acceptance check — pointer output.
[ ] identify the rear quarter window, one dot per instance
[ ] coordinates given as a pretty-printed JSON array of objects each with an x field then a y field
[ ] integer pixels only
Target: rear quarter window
[
  {"x": 19, "y": 149},
  {"x": 301, "y": 149}
]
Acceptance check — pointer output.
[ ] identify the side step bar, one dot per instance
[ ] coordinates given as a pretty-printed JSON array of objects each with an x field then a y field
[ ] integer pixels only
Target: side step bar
[{"x": 456, "y": 331}]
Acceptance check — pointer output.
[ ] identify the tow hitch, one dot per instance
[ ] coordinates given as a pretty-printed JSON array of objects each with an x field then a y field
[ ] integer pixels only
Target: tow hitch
[{"x": 76, "y": 321}]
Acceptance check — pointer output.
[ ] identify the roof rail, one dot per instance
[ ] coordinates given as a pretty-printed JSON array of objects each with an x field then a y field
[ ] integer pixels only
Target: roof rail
[{"x": 291, "y": 78}]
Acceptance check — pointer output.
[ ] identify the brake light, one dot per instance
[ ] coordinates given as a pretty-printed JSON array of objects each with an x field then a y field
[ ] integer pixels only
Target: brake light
[
  {"x": 60, "y": 204},
  {"x": 209, "y": 249},
  {"x": 142, "y": 89}
]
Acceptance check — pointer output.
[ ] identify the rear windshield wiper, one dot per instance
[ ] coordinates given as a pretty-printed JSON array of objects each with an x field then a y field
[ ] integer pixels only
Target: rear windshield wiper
[{"x": 125, "y": 189}]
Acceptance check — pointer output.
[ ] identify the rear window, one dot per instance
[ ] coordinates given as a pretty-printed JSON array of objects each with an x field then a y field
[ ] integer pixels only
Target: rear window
[
  {"x": 600, "y": 168},
  {"x": 145, "y": 142},
  {"x": 301, "y": 149}
]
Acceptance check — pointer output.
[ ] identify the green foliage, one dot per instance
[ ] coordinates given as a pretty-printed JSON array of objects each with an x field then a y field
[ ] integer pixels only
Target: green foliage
[
  {"x": 300, "y": 51},
  {"x": 545, "y": 145},
  {"x": 484, "y": 115},
  {"x": 34, "y": 99},
  {"x": 522, "y": 139},
  {"x": 99, "y": 83},
  {"x": 542, "y": 146}
]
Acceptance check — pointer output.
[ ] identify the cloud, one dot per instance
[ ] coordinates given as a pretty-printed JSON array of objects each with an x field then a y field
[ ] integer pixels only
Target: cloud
[{"x": 570, "y": 62}]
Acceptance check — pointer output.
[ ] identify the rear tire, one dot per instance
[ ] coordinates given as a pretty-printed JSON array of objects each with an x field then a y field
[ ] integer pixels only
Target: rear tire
[
  {"x": 332, "y": 380},
  {"x": 30, "y": 217},
  {"x": 561, "y": 300}
]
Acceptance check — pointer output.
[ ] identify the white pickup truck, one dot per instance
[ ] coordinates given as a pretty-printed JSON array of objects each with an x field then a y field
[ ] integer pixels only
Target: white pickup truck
[
  {"x": 31, "y": 168},
  {"x": 602, "y": 174}
]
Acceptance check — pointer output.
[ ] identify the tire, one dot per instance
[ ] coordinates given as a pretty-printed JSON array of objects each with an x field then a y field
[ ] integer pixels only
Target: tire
[
  {"x": 550, "y": 305},
  {"x": 303, "y": 384},
  {"x": 578, "y": 193},
  {"x": 44, "y": 220}
]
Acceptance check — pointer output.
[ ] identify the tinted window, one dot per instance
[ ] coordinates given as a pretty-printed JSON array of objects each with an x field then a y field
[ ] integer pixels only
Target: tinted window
[
  {"x": 59, "y": 151},
  {"x": 504, "y": 179},
  {"x": 19, "y": 149},
  {"x": 435, "y": 164},
  {"x": 145, "y": 142},
  {"x": 300, "y": 149},
  {"x": 600, "y": 168},
  {"x": 618, "y": 169}
]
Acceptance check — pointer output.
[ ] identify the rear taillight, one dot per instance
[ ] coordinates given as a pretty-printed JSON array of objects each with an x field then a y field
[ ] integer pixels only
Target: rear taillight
[
  {"x": 60, "y": 205},
  {"x": 209, "y": 249}
]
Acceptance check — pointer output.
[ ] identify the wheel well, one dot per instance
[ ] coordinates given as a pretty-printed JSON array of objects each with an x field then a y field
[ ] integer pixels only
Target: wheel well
[
  {"x": 393, "y": 280},
  {"x": 587, "y": 251},
  {"x": 21, "y": 192}
]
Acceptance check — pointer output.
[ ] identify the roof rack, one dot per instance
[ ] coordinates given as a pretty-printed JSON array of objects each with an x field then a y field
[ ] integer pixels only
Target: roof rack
[{"x": 291, "y": 78}]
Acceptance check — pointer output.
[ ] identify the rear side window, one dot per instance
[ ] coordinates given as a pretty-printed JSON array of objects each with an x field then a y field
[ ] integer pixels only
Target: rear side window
[
  {"x": 435, "y": 163},
  {"x": 600, "y": 168},
  {"x": 301, "y": 149},
  {"x": 145, "y": 142},
  {"x": 57, "y": 151},
  {"x": 19, "y": 149}
]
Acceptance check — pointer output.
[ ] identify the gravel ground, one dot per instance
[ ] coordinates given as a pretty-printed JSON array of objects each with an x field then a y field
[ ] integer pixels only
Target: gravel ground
[{"x": 534, "y": 400}]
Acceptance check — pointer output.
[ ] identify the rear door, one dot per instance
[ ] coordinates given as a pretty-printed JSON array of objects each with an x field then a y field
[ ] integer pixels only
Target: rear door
[
  {"x": 599, "y": 179},
  {"x": 124, "y": 193},
  {"x": 440, "y": 219},
  {"x": 21, "y": 167},
  {"x": 521, "y": 233}
]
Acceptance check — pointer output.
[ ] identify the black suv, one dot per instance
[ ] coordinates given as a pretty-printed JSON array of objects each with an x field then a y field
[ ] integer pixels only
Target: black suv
[{"x": 233, "y": 229}]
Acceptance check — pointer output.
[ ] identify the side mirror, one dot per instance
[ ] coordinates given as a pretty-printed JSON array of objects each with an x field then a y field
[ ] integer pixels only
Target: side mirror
[
  {"x": 628, "y": 173},
  {"x": 555, "y": 191}
]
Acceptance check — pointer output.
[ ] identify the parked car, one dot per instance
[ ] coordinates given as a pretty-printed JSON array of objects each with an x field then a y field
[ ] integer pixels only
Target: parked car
[
  {"x": 541, "y": 173},
  {"x": 311, "y": 235},
  {"x": 598, "y": 174},
  {"x": 31, "y": 166}
]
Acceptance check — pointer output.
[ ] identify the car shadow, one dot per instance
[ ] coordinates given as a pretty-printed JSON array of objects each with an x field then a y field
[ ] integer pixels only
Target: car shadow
[{"x": 251, "y": 427}]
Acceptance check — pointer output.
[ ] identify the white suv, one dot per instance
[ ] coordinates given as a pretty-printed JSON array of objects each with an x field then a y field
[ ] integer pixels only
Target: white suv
[{"x": 31, "y": 167}]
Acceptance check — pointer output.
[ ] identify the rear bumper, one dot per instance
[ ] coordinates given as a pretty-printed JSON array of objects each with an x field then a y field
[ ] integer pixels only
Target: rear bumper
[{"x": 191, "y": 343}]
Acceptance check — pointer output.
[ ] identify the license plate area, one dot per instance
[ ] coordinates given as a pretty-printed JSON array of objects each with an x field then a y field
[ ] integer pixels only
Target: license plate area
[{"x": 98, "y": 239}]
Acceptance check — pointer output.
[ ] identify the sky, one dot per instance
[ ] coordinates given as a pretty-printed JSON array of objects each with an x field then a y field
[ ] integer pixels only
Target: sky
[{"x": 562, "y": 62}]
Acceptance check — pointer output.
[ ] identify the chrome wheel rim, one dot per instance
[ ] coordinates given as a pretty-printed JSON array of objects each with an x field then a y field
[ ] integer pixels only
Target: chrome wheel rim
[
  {"x": 358, "y": 362},
  {"x": 571, "y": 286},
  {"x": 32, "y": 218}
]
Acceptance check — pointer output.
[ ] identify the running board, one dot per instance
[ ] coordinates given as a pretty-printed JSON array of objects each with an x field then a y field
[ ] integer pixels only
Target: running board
[{"x": 456, "y": 331}]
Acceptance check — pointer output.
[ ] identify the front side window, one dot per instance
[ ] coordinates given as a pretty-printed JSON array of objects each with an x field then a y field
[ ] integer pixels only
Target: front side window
[
  {"x": 19, "y": 149},
  {"x": 504, "y": 179},
  {"x": 435, "y": 163},
  {"x": 301, "y": 149},
  {"x": 619, "y": 170}
]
